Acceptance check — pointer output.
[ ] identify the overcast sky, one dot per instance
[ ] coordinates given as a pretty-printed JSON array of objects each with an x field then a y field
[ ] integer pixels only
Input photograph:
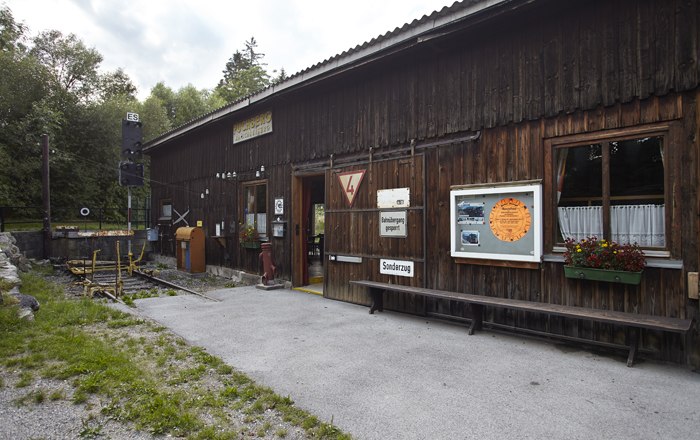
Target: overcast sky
[{"x": 184, "y": 42}]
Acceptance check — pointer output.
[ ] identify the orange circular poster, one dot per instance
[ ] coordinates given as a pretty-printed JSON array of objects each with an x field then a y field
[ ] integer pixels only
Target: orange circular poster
[{"x": 510, "y": 219}]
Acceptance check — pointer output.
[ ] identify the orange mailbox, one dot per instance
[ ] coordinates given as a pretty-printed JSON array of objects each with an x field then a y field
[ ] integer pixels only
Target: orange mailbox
[{"x": 190, "y": 250}]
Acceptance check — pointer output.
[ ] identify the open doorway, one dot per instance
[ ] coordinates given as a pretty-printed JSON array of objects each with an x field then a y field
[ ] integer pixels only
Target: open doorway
[{"x": 309, "y": 232}]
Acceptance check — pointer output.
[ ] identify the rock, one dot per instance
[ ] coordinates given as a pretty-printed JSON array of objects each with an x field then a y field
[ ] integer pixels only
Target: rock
[
  {"x": 28, "y": 305},
  {"x": 8, "y": 248},
  {"x": 27, "y": 302}
]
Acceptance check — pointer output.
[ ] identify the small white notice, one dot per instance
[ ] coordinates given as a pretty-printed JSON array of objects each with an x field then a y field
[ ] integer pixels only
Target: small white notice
[
  {"x": 396, "y": 267},
  {"x": 394, "y": 198},
  {"x": 392, "y": 224}
]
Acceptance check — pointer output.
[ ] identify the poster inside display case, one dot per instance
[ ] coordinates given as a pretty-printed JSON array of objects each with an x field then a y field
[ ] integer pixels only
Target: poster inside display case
[{"x": 497, "y": 222}]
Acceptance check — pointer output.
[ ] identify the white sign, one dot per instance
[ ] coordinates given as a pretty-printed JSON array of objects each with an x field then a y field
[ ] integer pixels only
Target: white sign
[
  {"x": 133, "y": 117},
  {"x": 396, "y": 267},
  {"x": 249, "y": 128},
  {"x": 392, "y": 224},
  {"x": 394, "y": 198},
  {"x": 279, "y": 206}
]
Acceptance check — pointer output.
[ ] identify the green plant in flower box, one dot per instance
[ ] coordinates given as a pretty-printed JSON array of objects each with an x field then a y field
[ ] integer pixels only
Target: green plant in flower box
[
  {"x": 249, "y": 236},
  {"x": 591, "y": 258}
]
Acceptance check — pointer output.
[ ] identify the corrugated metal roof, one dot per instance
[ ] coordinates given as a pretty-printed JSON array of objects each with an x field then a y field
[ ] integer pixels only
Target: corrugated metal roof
[{"x": 459, "y": 10}]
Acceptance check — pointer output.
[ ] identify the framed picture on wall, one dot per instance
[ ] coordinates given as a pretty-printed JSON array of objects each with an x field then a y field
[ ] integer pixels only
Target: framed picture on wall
[{"x": 497, "y": 221}]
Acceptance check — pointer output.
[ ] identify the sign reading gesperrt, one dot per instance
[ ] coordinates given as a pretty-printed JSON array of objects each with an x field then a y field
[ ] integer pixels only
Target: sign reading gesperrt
[
  {"x": 249, "y": 128},
  {"x": 396, "y": 267},
  {"x": 393, "y": 198},
  {"x": 392, "y": 224}
]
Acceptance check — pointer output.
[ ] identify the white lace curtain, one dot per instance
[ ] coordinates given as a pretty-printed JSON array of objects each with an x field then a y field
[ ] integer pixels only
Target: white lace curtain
[{"x": 641, "y": 224}]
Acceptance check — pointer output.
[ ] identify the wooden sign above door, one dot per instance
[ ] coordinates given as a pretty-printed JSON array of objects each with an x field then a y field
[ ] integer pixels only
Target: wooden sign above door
[{"x": 350, "y": 183}]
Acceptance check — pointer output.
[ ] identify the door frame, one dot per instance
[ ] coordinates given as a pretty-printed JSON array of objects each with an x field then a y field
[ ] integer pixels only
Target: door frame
[{"x": 300, "y": 275}]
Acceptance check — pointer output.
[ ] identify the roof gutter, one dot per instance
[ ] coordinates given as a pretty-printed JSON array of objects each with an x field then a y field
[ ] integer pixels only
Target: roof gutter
[{"x": 413, "y": 35}]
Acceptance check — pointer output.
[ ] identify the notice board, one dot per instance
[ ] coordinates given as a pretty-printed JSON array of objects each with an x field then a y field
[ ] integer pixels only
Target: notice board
[{"x": 497, "y": 221}]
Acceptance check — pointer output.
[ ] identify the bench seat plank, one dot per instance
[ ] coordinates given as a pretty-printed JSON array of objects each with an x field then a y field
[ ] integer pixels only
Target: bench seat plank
[
  {"x": 476, "y": 302},
  {"x": 677, "y": 325}
]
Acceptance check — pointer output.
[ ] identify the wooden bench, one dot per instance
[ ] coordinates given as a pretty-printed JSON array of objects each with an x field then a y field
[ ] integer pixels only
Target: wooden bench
[{"x": 477, "y": 302}]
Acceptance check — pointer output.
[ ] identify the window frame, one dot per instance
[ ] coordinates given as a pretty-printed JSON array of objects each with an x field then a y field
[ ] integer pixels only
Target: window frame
[
  {"x": 551, "y": 145},
  {"x": 164, "y": 202},
  {"x": 242, "y": 221}
]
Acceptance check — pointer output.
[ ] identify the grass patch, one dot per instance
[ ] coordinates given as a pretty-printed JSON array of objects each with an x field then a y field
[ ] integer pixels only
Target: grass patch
[{"x": 151, "y": 379}]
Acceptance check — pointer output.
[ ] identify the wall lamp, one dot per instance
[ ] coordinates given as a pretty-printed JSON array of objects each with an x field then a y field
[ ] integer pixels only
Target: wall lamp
[
  {"x": 224, "y": 175},
  {"x": 231, "y": 175}
]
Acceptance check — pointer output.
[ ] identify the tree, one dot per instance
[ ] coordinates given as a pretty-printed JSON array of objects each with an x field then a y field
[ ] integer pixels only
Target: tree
[
  {"x": 167, "y": 98},
  {"x": 190, "y": 103},
  {"x": 182, "y": 106},
  {"x": 244, "y": 74},
  {"x": 11, "y": 32},
  {"x": 154, "y": 117},
  {"x": 115, "y": 84},
  {"x": 24, "y": 116},
  {"x": 74, "y": 66},
  {"x": 281, "y": 76}
]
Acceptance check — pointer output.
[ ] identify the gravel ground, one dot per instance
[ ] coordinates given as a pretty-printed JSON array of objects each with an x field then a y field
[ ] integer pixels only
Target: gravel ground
[
  {"x": 44, "y": 409},
  {"x": 25, "y": 417}
]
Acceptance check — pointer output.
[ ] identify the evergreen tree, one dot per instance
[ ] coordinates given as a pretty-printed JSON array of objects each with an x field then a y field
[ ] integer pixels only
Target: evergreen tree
[{"x": 244, "y": 74}]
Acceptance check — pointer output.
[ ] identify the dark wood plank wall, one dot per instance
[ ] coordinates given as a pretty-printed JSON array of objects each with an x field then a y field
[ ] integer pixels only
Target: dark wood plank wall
[
  {"x": 539, "y": 64},
  {"x": 515, "y": 152},
  {"x": 561, "y": 69},
  {"x": 354, "y": 231}
]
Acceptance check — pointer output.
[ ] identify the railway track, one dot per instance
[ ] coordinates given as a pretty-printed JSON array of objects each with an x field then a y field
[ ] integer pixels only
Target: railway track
[{"x": 140, "y": 283}]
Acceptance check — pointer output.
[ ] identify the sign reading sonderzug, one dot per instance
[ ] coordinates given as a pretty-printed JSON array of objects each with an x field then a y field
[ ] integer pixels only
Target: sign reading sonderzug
[{"x": 249, "y": 128}]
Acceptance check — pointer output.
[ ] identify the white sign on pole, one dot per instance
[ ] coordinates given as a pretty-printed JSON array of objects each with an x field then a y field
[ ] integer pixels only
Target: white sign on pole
[
  {"x": 392, "y": 224},
  {"x": 394, "y": 198},
  {"x": 396, "y": 267},
  {"x": 133, "y": 117}
]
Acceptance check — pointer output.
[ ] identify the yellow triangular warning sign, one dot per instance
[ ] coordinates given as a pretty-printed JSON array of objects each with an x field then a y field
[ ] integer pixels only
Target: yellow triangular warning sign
[{"x": 350, "y": 182}]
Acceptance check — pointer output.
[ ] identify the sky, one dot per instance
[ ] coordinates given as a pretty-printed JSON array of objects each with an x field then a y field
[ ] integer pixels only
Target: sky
[{"x": 181, "y": 42}]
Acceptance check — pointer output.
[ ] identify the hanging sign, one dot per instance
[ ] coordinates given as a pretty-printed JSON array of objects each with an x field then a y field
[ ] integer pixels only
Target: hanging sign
[
  {"x": 401, "y": 268},
  {"x": 350, "y": 183},
  {"x": 393, "y": 198},
  {"x": 392, "y": 224},
  {"x": 249, "y": 128}
]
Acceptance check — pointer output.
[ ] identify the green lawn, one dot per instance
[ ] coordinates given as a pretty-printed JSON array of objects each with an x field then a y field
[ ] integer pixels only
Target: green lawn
[{"x": 149, "y": 378}]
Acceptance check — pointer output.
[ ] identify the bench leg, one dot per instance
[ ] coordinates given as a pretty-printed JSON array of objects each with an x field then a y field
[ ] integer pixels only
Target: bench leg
[
  {"x": 477, "y": 318},
  {"x": 377, "y": 300},
  {"x": 634, "y": 342}
]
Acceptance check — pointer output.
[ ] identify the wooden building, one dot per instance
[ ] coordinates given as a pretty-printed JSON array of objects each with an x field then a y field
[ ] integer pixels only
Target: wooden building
[{"x": 595, "y": 102}]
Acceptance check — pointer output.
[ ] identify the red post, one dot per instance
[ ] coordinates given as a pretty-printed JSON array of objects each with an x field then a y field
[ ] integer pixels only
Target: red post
[{"x": 268, "y": 264}]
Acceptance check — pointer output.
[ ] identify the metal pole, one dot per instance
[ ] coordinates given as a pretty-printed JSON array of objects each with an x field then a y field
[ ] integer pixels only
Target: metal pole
[
  {"x": 46, "y": 194},
  {"x": 128, "y": 215}
]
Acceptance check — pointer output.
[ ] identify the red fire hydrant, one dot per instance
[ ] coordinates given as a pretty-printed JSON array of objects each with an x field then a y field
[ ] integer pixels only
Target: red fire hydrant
[{"x": 268, "y": 264}]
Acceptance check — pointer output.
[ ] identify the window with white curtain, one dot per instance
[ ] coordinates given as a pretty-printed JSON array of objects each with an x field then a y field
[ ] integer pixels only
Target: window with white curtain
[{"x": 613, "y": 189}]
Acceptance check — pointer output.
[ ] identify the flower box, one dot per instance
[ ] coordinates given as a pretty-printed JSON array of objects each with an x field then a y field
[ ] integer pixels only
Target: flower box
[
  {"x": 250, "y": 244},
  {"x": 613, "y": 276}
]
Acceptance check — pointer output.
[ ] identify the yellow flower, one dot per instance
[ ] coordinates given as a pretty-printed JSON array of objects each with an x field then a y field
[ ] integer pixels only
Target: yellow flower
[
  {"x": 604, "y": 244},
  {"x": 578, "y": 250}
]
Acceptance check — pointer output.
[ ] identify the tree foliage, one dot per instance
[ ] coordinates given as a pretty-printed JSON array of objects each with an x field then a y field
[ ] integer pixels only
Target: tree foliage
[
  {"x": 52, "y": 84},
  {"x": 244, "y": 74}
]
